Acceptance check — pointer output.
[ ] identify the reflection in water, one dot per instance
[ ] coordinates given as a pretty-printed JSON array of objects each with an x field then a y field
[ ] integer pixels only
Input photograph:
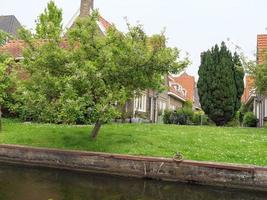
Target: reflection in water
[{"x": 18, "y": 183}]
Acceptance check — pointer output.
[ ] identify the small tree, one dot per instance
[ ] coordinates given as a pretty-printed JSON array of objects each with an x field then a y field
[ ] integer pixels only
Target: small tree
[
  {"x": 119, "y": 65},
  {"x": 86, "y": 74},
  {"x": 220, "y": 84}
]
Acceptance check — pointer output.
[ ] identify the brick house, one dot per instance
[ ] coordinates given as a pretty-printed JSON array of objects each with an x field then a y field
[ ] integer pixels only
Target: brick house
[
  {"x": 190, "y": 84},
  {"x": 250, "y": 97},
  {"x": 151, "y": 105}
]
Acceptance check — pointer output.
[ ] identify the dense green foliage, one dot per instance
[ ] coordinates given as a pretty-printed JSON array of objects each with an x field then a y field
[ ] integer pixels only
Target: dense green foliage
[
  {"x": 220, "y": 84},
  {"x": 49, "y": 23},
  {"x": 185, "y": 116},
  {"x": 84, "y": 76},
  {"x": 250, "y": 120},
  {"x": 260, "y": 74},
  {"x": 5, "y": 81},
  {"x": 242, "y": 111},
  {"x": 206, "y": 143},
  {"x": 200, "y": 118},
  {"x": 4, "y": 37}
]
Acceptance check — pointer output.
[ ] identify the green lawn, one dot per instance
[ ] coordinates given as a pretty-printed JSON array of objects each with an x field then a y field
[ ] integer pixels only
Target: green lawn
[{"x": 234, "y": 145}]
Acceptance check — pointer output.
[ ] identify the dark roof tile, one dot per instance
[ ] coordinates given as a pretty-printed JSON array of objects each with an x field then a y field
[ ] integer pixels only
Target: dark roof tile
[{"x": 10, "y": 24}]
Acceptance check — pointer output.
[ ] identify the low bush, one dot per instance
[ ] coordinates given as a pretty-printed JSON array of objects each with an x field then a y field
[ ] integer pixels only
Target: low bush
[
  {"x": 236, "y": 121},
  {"x": 250, "y": 120},
  {"x": 200, "y": 118},
  {"x": 183, "y": 116},
  {"x": 167, "y": 117}
]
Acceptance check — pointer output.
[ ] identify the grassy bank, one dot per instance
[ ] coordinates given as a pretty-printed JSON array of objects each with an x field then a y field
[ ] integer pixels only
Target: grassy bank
[{"x": 234, "y": 145}]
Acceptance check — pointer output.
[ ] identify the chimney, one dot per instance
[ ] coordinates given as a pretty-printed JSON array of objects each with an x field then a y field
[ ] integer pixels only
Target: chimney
[{"x": 86, "y": 6}]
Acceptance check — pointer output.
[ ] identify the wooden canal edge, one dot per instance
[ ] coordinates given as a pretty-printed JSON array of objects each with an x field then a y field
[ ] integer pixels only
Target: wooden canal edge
[{"x": 186, "y": 171}]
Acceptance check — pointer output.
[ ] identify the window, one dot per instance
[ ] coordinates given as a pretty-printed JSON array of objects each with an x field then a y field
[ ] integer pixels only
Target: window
[
  {"x": 162, "y": 106},
  {"x": 172, "y": 107},
  {"x": 140, "y": 103}
]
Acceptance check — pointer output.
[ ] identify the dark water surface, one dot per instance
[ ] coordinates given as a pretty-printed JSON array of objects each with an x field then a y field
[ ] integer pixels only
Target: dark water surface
[{"x": 21, "y": 183}]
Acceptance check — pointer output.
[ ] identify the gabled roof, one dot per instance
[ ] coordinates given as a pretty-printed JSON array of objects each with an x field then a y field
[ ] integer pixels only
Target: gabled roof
[
  {"x": 103, "y": 23},
  {"x": 10, "y": 24},
  {"x": 172, "y": 90},
  {"x": 189, "y": 83},
  {"x": 248, "y": 89}
]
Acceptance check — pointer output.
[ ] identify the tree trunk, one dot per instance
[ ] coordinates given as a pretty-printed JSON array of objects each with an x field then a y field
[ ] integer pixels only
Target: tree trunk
[{"x": 96, "y": 129}]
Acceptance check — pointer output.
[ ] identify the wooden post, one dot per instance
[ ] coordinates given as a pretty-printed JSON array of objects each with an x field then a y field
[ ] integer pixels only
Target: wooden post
[{"x": 260, "y": 102}]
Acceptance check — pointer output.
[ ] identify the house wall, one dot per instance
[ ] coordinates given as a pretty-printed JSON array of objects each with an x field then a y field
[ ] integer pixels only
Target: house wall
[
  {"x": 174, "y": 103},
  {"x": 156, "y": 104},
  {"x": 261, "y": 52}
]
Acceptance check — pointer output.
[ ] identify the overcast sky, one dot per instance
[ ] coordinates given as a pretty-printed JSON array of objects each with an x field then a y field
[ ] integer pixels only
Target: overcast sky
[{"x": 191, "y": 25}]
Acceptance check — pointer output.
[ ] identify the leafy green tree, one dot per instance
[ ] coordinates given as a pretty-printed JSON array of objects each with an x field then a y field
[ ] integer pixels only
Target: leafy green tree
[
  {"x": 119, "y": 65},
  {"x": 220, "y": 84},
  {"x": 45, "y": 95},
  {"x": 239, "y": 80},
  {"x": 4, "y": 37},
  {"x": 93, "y": 73},
  {"x": 260, "y": 74},
  {"x": 49, "y": 23},
  {"x": 4, "y": 81}
]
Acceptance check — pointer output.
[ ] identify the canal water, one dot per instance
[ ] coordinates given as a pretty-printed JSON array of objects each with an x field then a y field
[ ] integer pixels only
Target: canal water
[{"x": 21, "y": 183}]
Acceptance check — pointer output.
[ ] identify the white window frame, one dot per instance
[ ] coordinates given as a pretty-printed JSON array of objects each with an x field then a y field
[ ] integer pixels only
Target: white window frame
[
  {"x": 172, "y": 107},
  {"x": 140, "y": 103},
  {"x": 162, "y": 106}
]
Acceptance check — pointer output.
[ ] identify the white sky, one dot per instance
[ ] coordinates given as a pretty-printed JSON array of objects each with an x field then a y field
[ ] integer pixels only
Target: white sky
[{"x": 191, "y": 25}]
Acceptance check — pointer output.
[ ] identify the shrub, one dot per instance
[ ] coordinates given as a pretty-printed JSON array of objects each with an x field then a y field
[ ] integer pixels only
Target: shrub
[
  {"x": 183, "y": 116},
  {"x": 250, "y": 120},
  {"x": 167, "y": 117},
  {"x": 188, "y": 104},
  {"x": 235, "y": 122},
  {"x": 197, "y": 118},
  {"x": 242, "y": 111}
]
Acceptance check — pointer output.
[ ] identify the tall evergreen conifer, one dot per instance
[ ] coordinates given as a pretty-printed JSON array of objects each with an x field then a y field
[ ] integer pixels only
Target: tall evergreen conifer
[{"x": 220, "y": 84}]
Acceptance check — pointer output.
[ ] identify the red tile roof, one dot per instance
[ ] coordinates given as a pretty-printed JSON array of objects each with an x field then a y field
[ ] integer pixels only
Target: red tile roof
[
  {"x": 104, "y": 23},
  {"x": 249, "y": 84},
  {"x": 14, "y": 48},
  {"x": 261, "y": 47}
]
